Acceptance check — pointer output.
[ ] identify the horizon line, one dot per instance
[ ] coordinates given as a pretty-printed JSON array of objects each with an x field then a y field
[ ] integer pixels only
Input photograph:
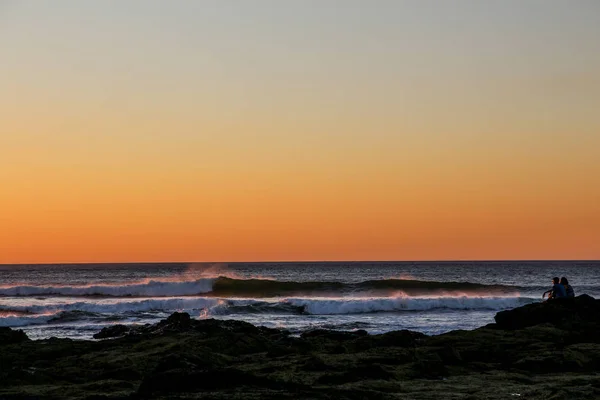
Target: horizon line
[{"x": 298, "y": 261}]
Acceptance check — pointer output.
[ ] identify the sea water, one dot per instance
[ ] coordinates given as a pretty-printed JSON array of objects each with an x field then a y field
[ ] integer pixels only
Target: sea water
[{"x": 77, "y": 300}]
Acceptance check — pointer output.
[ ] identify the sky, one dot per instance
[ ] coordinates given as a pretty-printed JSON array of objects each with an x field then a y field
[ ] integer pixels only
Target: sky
[{"x": 139, "y": 130}]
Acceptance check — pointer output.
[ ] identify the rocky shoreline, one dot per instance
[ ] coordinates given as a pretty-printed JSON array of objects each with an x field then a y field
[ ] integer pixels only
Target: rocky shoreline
[{"x": 540, "y": 351}]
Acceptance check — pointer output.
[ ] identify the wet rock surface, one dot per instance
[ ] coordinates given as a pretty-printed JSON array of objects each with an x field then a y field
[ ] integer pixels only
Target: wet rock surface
[{"x": 539, "y": 351}]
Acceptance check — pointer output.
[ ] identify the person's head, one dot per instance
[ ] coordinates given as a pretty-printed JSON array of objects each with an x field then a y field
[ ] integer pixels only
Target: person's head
[
  {"x": 555, "y": 280},
  {"x": 564, "y": 281}
]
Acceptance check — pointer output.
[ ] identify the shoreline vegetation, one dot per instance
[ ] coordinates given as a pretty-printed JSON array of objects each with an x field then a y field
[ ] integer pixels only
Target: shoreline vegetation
[{"x": 547, "y": 350}]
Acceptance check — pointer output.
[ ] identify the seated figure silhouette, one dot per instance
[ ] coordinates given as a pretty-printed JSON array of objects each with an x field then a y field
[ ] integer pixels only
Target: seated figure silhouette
[
  {"x": 568, "y": 288},
  {"x": 558, "y": 291}
]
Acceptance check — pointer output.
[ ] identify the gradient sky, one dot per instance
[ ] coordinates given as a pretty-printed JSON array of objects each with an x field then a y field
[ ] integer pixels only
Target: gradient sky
[{"x": 299, "y": 130}]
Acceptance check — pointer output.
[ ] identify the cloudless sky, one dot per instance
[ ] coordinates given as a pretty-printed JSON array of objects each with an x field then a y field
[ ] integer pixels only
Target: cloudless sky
[{"x": 215, "y": 130}]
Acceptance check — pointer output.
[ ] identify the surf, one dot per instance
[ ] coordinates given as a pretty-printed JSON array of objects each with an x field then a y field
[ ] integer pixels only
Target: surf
[
  {"x": 151, "y": 288},
  {"x": 205, "y": 307},
  {"x": 257, "y": 288}
]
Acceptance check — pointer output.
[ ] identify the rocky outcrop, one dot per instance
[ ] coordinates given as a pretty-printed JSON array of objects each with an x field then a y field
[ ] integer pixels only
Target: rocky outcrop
[
  {"x": 577, "y": 313},
  {"x": 9, "y": 336},
  {"x": 547, "y": 350},
  {"x": 112, "y": 331}
]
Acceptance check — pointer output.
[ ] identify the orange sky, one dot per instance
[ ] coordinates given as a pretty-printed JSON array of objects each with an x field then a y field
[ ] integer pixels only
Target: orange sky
[{"x": 180, "y": 132}]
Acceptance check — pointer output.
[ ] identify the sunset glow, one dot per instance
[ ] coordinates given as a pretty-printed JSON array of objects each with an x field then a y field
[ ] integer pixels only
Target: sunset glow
[{"x": 267, "y": 130}]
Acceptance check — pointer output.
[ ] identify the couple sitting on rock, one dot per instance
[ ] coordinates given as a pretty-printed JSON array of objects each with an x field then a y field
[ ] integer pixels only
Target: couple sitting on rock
[{"x": 559, "y": 289}]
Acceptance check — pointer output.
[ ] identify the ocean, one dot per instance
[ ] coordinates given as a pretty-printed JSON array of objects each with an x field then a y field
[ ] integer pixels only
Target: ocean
[{"x": 77, "y": 300}]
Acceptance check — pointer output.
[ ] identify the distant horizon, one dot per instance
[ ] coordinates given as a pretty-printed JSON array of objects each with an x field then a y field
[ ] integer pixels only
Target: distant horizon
[{"x": 303, "y": 261}]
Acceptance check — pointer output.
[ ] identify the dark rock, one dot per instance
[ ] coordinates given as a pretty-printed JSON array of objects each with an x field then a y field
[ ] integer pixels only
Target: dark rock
[
  {"x": 173, "y": 362},
  {"x": 279, "y": 351},
  {"x": 540, "y": 363},
  {"x": 429, "y": 366},
  {"x": 177, "y": 381},
  {"x": 121, "y": 374},
  {"x": 315, "y": 363},
  {"x": 9, "y": 336},
  {"x": 181, "y": 357},
  {"x": 333, "y": 335},
  {"x": 403, "y": 338},
  {"x": 357, "y": 374},
  {"x": 582, "y": 357},
  {"x": 212, "y": 326},
  {"x": 189, "y": 361},
  {"x": 449, "y": 355},
  {"x": 176, "y": 322},
  {"x": 581, "y": 312},
  {"x": 112, "y": 331}
]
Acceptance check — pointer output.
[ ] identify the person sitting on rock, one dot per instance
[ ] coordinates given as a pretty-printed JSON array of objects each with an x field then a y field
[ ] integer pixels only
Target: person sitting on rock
[
  {"x": 557, "y": 290},
  {"x": 568, "y": 288}
]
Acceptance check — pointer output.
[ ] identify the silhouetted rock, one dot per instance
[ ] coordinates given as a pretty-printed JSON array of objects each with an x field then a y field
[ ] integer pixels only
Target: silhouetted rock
[
  {"x": 112, "y": 331},
  {"x": 582, "y": 312},
  {"x": 176, "y": 322},
  {"x": 9, "y": 336},
  {"x": 403, "y": 338},
  {"x": 181, "y": 357},
  {"x": 333, "y": 335}
]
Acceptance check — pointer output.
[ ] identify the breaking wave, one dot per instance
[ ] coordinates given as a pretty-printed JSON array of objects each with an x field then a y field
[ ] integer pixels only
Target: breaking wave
[
  {"x": 207, "y": 306},
  {"x": 359, "y": 306},
  {"x": 19, "y": 320},
  {"x": 115, "y": 307},
  {"x": 260, "y": 288},
  {"x": 152, "y": 288},
  {"x": 206, "y": 296}
]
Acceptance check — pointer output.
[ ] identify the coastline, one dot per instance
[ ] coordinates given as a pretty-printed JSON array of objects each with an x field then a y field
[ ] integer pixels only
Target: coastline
[{"x": 543, "y": 350}]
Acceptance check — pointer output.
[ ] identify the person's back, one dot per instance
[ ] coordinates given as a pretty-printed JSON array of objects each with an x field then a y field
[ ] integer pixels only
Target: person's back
[
  {"x": 568, "y": 288},
  {"x": 558, "y": 291},
  {"x": 570, "y": 291}
]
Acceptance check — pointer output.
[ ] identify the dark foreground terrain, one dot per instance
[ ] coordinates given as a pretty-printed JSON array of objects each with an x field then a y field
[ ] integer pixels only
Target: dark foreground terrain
[{"x": 540, "y": 351}]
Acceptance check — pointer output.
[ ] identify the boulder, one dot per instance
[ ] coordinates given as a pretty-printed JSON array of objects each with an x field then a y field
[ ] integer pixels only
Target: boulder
[
  {"x": 112, "y": 331},
  {"x": 579, "y": 313},
  {"x": 9, "y": 336},
  {"x": 177, "y": 322}
]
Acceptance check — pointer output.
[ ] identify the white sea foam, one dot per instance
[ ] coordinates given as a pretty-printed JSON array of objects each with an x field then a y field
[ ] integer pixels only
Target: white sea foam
[
  {"x": 173, "y": 304},
  {"x": 315, "y": 306},
  {"x": 152, "y": 288},
  {"x": 369, "y": 305}
]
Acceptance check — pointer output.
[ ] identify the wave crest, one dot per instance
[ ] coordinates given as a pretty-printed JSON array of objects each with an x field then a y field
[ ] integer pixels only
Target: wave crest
[
  {"x": 256, "y": 288},
  {"x": 152, "y": 288},
  {"x": 261, "y": 288},
  {"x": 211, "y": 306}
]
